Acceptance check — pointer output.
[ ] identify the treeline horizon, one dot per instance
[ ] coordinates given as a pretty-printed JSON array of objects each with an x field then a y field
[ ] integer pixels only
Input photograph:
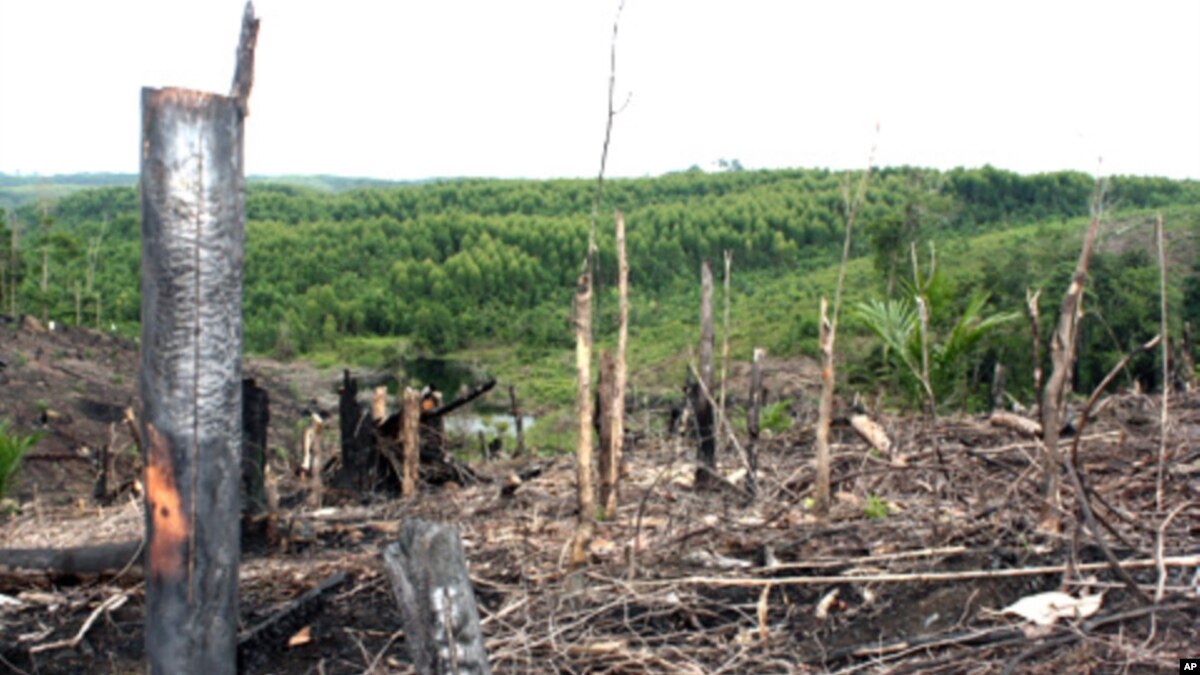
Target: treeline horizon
[{"x": 450, "y": 263}]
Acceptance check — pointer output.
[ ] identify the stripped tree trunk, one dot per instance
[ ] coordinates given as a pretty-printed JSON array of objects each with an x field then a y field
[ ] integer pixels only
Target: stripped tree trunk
[
  {"x": 583, "y": 412},
  {"x": 412, "y": 442},
  {"x": 756, "y": 401},
  {"x": 619, "y": 372},
  {"x": 824, "y": 412},
  {"x": 1164, "y": 408},
  {"x": 1031, "y": 310},
  {"x": 706, "y": 457},
  {"x": 722, "y": 424},
  {"x": 1062, "y": 358},
  {"x": 315, "y": 460},
  {"x": 192, "y": 191},
  {"x": 428, "y": 574}
]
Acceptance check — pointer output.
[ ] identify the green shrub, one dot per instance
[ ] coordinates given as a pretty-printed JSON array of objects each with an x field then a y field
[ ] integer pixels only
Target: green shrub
[
  {"x": 875, "y": 508},
  {"x": 13, "y": 446}
]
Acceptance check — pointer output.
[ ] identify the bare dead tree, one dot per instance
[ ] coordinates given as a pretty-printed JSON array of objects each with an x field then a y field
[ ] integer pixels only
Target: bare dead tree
[
  {"x": 827, "y": 338},
  {"x": 1166, "y": 362},
  {"x": 583, "y": 413},
  {"x": 706, "y": 458},
  {"x": 583, "y": 321},
  {"x": 1062, "y": 358},
  {"x": 721, "y": 421},
  {"x": 617, "y": 406}
]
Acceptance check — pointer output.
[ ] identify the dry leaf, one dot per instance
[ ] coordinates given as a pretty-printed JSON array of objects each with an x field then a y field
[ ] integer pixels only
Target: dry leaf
[
  {"x": 1044, "y": 609},
  {"x": 763, "y": 606},
  {"x": 302, "y": 637},
  {"x": 826, "y": 603}
]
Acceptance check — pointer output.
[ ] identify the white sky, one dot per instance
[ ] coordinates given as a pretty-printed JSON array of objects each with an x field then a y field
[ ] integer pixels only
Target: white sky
[{"x": 402, "y": 89}]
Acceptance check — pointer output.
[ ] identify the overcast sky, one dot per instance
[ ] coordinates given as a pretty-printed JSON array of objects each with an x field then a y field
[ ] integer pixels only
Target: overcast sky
[{"x": 517, "y": 88}]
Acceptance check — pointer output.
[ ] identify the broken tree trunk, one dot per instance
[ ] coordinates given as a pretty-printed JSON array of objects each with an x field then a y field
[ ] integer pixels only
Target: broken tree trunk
[
  {"x": 824, "y": 411},
  {"x": 617, "y": 408},
  {"x": 358, "y": 439},
  {"x": 1062, "y": 358},
  {"x": 193, "y": 223},
  {"x": 722, "y": 423},
  {"x": 583, "y": 413},
  {"x": 1187, "y": 366},
  {"x": 607, "y": 466},
  {"x": 314, "y": 461},
  {"x": 756, "y": 401},
  {"x": 412, "y": 442},
  {"x": 1031, "y": 310},
  {"x": 518, "y": 421},
  {"x": 706, "y": 455},
  {"x": 428, "y": 574}
]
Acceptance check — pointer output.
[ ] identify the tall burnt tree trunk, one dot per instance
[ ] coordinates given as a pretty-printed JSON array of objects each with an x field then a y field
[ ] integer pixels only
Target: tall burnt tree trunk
[
  {"x": 193, "y": 224},
  {"x": 706, "y": 456}
]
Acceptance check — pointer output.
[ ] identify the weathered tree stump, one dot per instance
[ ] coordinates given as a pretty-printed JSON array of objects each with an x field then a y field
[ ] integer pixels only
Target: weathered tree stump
[
  {"x": 256, "y": 416},
  {"x": 428, "y": 574}
]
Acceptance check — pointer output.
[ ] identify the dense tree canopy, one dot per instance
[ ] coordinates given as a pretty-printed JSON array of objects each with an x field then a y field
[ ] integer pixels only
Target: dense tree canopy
[{"x": 452, "y": 261}]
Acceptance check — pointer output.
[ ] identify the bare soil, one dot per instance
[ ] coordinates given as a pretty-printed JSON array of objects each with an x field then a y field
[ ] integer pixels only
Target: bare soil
[{"x": 906, "y": 574}]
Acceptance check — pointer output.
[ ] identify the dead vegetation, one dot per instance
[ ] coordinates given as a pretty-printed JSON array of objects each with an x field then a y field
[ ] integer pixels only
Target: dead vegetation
[{"x": 919, "y": 555}]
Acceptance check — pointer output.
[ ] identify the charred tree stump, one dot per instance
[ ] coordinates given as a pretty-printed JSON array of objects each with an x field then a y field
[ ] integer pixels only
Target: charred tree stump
[
  {"x": 257, "y": 513},
  {"x": 359, "y": 454},
  {"x": 256, "y": 415},
  {"x": 428, "y": 574},
  {"x": 608, "y": 467},
  {"x": 706, "y": 455},
  {"x": 752, "y": 429},
  {"x": 518, "y": 421},
  {"x": 193, "y": 224}
]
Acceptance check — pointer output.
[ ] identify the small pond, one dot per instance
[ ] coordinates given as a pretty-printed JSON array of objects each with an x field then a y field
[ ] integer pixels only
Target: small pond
[{"x": 489, "y": 414}]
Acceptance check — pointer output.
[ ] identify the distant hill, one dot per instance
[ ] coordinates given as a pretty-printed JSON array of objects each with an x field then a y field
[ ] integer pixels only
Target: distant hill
[{"x": 18, "y": 190}]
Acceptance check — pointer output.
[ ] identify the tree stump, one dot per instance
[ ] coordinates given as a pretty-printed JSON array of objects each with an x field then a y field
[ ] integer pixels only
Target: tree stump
[{"x": 428, "y": 574}]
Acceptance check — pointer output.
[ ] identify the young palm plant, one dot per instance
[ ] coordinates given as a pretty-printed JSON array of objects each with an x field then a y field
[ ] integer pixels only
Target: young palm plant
[
  {"x": 13, "y": 446},
  {"x": 935, "y": 377}
]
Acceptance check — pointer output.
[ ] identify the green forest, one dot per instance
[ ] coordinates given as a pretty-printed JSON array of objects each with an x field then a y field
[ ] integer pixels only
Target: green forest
[{"x": 375, "y": 273}]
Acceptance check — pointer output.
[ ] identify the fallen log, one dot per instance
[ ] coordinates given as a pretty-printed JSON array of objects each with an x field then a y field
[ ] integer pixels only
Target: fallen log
[{"x": 94, "y": 559}]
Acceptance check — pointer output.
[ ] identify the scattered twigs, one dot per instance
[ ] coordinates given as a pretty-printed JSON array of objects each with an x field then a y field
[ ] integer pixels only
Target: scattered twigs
[
  {"x": 113, "y": 602},
  {"x": 910, "y": 577},
  {"x": 1085, "y": 413},
  {"x": 1159, "y": 547},
  {"x": 269, "y": 634}
]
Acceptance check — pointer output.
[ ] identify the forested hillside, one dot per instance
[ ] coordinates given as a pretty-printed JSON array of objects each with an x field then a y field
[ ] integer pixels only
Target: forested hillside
[{"x": 473, "y": 262}]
